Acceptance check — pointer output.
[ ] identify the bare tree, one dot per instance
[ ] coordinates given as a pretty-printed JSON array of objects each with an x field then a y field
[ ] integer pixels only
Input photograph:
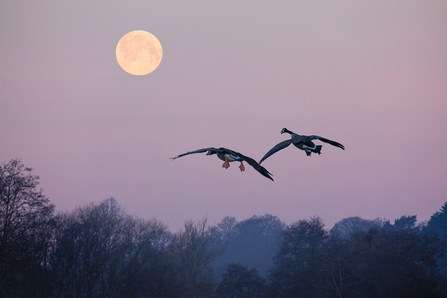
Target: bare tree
[
  {"x": 226, "y": 227},
  {"x": 195, "y": 248},
  {"x": 102, "y": 252},
  {"x": 24, "y": 229}
]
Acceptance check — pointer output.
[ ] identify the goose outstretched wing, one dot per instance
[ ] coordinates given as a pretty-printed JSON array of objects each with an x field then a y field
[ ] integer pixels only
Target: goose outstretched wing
[
  {"x": 275, "y": 149},
  {"x": 263, "y": 171},
  {"x": 313, "y": 137},
  {"x": 212, "y": 149}
]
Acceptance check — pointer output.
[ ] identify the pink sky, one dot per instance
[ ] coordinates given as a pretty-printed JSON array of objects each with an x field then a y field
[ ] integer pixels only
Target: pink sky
[{"x": 371, "y": 75}]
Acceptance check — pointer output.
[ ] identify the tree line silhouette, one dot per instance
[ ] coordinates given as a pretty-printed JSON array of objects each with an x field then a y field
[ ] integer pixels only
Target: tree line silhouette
[{"x": 100, "y": 251}]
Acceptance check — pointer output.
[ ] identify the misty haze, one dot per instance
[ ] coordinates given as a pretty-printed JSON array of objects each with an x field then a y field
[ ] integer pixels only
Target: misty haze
[{"x": 98, "y": 250}]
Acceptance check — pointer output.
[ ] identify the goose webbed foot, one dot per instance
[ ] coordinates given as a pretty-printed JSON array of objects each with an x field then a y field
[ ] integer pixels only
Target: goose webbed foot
[
  {"x": 242, "y": 167},
  {"x": 308, "y": 153},
  {"x": 226, "y": 164}
]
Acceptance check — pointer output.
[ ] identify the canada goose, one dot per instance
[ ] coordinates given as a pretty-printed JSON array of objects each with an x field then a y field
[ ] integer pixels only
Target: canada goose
[
  {"x": 301, "y": 142},
  {"x": 228, "y": 156}
]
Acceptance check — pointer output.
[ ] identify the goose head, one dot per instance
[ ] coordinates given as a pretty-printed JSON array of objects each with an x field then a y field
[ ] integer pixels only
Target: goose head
[{"x": 284, "y": 130}]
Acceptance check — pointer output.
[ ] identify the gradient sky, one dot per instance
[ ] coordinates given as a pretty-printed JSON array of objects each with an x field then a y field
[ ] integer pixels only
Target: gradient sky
[{"x": 371, "y": 75}]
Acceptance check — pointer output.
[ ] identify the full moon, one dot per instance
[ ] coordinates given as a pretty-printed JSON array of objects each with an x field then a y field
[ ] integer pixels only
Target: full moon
[{"x": 139, "y": 53}]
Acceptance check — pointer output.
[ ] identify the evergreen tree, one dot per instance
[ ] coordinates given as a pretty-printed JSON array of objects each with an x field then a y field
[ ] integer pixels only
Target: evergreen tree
[{"x": 438, "y": 222}]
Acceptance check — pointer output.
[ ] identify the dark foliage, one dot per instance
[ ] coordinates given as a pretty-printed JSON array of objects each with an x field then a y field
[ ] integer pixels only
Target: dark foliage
[
  {"x": 438, "y": 225},
  {"x": 100, "y": 251},
  {"x": 296, "y": 265},
  {"x": 374, "y": 263},
  {"x": 438, "y": 222},
  {"x": 238, "y": 282},
  {"x": 405, "y": 222}
]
